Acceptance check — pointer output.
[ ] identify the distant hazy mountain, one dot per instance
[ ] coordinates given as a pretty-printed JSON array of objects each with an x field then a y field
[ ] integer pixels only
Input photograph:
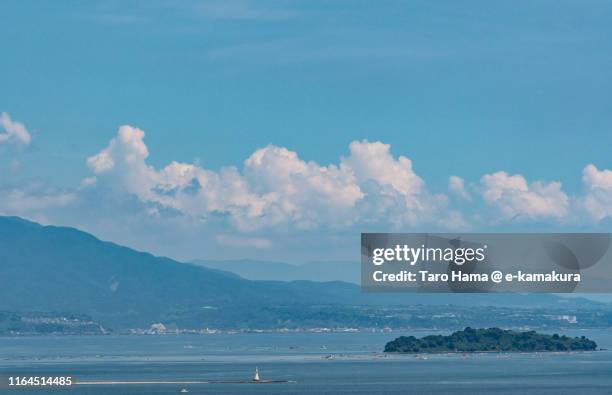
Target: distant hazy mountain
[
  {"x": 265, "y": 270},
  {"x": 47, "y": 268},
  {"x": 58, "y": 269},
  {"x": 319, "y": 271}
]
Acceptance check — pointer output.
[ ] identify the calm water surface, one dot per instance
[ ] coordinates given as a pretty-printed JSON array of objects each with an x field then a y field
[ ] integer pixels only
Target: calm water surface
[{"x": 319, "y": 363}]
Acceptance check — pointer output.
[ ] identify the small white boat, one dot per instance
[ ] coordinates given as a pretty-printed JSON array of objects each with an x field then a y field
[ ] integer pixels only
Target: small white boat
[
  {"x": 256, "y": 378},
  {"x": 184, "y": 390}
]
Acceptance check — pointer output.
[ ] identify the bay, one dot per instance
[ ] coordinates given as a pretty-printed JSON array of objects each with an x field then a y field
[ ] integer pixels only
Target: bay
[{"x": 318, "y": 363}]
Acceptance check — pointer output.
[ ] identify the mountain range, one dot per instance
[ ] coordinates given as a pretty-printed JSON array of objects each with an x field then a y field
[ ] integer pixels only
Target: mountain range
[
  {"x": 62, "y": 269},
  {"x": 250, "y": 269}
]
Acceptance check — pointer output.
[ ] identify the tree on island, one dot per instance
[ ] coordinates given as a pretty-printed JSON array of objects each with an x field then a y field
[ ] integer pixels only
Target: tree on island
[{"x": 490, "y": 340}]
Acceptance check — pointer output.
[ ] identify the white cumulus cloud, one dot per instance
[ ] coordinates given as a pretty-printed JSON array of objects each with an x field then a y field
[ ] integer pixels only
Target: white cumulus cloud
[
  {"x": 275, "y": 187},
  {"x": 597, "y": 200},
  {"x": 517, "y": 199},
  {"x": 457, "y": 186},
  {"x": 14, "y": 132}
]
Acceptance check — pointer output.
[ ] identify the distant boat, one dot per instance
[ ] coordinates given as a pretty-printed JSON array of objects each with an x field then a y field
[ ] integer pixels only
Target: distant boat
[
  {"x": 184, "y": 390},
  {"x": 256, "y": 378}
]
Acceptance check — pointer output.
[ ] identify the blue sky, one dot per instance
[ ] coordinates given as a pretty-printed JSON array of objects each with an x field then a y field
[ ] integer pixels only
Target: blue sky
[{"x": 460, "y": 88}]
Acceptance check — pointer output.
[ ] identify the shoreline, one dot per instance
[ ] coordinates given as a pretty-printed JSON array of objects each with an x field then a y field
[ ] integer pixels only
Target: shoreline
[
  {"x": 492, "y": 352},
  {"x": 290, "y": 332}
]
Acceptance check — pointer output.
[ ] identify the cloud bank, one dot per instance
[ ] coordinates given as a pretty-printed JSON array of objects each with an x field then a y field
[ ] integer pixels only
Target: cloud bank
[
  {"x": 276, "y": 199},
  {"x": 275, "y": 187}
]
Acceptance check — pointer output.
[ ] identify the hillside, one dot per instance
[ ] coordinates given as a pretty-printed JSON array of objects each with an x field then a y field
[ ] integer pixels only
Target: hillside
[
  {"x": 62, "y": 269},
  {"x": 59, "y": 269},
  {"x": 12, "y": 323}
]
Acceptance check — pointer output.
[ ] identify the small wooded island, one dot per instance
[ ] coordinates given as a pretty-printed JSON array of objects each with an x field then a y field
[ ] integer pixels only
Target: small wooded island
[{"x": 490, "y": 340}]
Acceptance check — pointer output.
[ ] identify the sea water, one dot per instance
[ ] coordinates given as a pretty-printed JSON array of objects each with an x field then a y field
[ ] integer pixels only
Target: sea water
[{"x": 318, "y": 363}]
